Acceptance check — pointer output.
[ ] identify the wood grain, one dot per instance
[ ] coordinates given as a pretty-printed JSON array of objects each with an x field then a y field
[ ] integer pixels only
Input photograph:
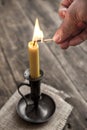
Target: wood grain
[{"x": 65, "y": 70}]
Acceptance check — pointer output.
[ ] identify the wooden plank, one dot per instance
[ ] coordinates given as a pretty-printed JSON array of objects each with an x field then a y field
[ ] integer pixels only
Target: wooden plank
[
  {"x": 6, "y": 79},
  {"x": 17, "y": 28},
  {"x": 56, "y": 51},
  {"x": 10, "y": 45},
  {"x": 4, "y": 93},
  {"x": 77, "y": 101}
]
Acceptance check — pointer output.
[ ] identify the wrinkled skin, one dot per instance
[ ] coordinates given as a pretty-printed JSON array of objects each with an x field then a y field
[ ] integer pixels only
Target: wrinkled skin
[{"x": 73, "y": 29}]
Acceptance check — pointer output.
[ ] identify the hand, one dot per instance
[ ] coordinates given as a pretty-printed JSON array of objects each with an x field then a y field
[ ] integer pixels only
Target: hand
[{"x": 73, "y": 29}]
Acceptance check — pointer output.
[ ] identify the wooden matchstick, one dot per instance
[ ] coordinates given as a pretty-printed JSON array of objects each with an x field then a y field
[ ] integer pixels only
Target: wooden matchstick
[{"x": 45, "y": 40}]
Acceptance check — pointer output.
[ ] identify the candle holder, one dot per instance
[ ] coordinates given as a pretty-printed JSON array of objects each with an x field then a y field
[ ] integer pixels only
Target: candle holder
[{"x": 35, "y": 107}]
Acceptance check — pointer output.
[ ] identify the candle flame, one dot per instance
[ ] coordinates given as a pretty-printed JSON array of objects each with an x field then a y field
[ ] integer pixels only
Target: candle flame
[{"x": 38, "y": 34}]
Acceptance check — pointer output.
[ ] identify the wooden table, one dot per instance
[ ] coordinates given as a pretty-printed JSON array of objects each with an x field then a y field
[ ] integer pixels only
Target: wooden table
[{"x": 64, "y": 69}]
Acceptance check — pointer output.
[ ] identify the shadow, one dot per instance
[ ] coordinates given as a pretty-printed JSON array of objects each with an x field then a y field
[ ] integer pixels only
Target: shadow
[{"x": 23, "y": 124}]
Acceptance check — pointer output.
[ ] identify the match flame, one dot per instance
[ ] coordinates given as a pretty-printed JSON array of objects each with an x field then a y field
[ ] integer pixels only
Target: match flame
[{"x": 38, "y": 34}]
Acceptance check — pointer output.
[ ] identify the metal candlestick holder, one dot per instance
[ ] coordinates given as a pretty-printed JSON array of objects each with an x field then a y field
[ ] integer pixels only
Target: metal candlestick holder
[{"x": 35, "y": 107}]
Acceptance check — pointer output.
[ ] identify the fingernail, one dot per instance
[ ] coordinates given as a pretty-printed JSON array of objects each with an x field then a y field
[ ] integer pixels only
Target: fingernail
[
  {"x": 57, "y": 38},
  {"x": 63, "y": 13}
]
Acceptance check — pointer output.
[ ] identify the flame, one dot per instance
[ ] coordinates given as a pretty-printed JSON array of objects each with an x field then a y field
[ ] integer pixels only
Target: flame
[{"x": 38, "y": 34}]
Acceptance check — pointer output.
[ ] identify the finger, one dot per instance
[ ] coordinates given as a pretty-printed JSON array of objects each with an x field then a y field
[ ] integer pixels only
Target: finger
[
  {"x": 65, "y": 45},
  {"x": 66, "y": 3},
  {"x": 79, "y": 38},
  {"x": 62, "y": 12},
  {"x": 66, "y": 29},
  {"x": 75, "y": 40},
  {"x": 63, "y": 7}
]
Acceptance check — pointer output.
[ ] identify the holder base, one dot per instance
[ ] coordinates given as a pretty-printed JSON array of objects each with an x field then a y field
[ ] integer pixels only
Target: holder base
[{"x": 42, "y": 113}]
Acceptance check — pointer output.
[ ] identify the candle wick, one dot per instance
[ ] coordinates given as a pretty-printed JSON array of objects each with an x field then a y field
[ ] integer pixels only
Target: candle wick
[{"x": 34, "y": 43}]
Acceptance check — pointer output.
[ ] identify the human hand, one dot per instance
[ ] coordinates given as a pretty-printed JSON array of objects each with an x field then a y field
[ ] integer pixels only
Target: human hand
[{"x": 73, "y": 29}]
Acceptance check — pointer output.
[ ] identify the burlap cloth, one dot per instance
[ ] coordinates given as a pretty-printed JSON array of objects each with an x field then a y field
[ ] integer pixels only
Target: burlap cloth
[{"x": 9, "y": 120}]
